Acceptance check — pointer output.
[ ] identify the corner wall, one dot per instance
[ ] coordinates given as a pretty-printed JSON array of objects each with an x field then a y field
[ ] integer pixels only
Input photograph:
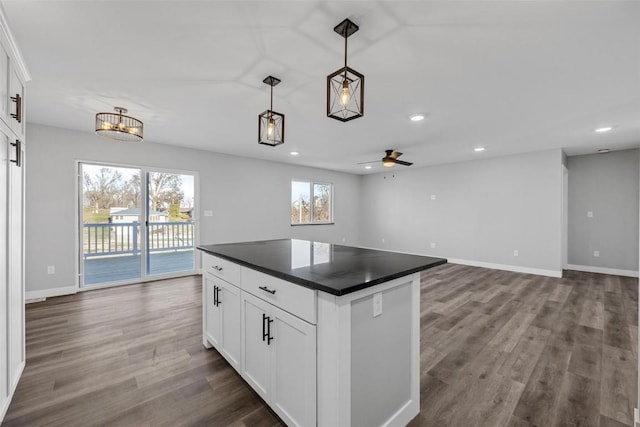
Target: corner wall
[
  {"x": 249, "y": 198},
  {"x": 483, "y": 211}
]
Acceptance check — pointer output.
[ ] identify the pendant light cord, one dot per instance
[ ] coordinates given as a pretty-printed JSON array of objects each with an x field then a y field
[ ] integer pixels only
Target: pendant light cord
[{"x": 345, "y": 55}]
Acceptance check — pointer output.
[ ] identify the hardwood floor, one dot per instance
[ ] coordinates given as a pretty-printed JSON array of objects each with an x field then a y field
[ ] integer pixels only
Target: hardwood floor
[{"x": 497, "y": 349}]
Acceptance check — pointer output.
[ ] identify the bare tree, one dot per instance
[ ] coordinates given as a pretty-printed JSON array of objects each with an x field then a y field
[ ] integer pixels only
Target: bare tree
[
  {"x": 164, "y": 190},
  {"x": 102, "y": 189},
  {"x": 132, "y": 192}
]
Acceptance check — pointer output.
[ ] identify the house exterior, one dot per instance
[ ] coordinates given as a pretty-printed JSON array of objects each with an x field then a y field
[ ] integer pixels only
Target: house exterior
[{"x": 120, "y": 215}]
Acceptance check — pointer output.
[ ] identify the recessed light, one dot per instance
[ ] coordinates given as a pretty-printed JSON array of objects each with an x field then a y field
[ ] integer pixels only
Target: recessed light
[
  {"x": 294, "y": 153},
  {"x": 368, "y": 167},
  {"x": 604, "y": 129},
  {"x": 478, "y": 149},
  {"x": 417, "y": 117},
  {"x": 603, "y": 150}
]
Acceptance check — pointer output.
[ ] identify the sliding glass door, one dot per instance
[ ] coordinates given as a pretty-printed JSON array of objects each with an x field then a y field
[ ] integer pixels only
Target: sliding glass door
[
  {"x": 135, "y": 224},
  {"x": 170, "y": 227}
]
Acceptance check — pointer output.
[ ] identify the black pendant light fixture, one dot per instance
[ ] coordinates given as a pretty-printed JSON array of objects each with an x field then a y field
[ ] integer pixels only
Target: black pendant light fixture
[
  {"x": 345, "y": 87},
  {"x": 271, "y": 123},
  {"x": 119, "y": 127}
]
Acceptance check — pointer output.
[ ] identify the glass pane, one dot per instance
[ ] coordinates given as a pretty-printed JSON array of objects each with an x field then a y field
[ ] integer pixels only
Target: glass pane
[
  {"x": 321, "y": 202},
  {"x": 170, "y": 230},
  {"x": 300, "y": 198},
  {"x": 110, "y": 224}
]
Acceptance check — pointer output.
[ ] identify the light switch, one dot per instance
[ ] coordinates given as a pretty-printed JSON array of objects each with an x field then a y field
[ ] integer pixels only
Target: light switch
[
  {"x": 589, "y": 214},
  {"x": 377, "y": 304},
  {"x": 433, "y": 197},
  {"x": 433, "y": 245},
  {"x": 208, "y": 213}
]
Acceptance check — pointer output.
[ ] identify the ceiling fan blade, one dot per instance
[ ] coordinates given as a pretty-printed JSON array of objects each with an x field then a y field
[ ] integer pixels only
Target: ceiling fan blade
[
  {"x": 400, "y": 162},
  {"x": 395, "y": 155},
  {"x": 364, "y": 163}
]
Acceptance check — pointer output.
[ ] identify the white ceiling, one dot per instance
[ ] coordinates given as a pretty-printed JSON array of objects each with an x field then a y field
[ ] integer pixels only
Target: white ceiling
[{"x": 514, "y": 76}]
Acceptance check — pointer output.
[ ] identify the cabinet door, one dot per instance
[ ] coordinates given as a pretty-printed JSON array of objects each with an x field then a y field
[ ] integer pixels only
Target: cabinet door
[
  {"x": 16, "y": 87},
  {"x": 15, "y": 283},
  {"x": 255, "y": 347},
  {"x": 229, "y": 306},
  {"x": 4, "y": 348},
  {"x": 212, "y": 324},
  {"x": 4, "y": 84},
  {"x": 293, "y": 369}
]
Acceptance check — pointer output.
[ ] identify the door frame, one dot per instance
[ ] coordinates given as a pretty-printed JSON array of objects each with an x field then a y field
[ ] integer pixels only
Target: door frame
[{"x": 144, "y": 213}]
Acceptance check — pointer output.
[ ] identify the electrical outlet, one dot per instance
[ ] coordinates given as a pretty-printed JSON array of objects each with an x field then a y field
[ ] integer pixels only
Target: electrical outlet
[
  {"x": 433, "y": 197},
  {"x": 382, "y": 240},
  {"x": 51, "y": 269},
  {"x": 596, "y": 254},
  {"x": 377, "y": 304},
  {"x": 589, "y": 214},
  {"x": 344, "y": 239},
  {"x": 515, "y": 252},
  {"x": 208, "y": 213},
  {"x": 432, "y": 245}
]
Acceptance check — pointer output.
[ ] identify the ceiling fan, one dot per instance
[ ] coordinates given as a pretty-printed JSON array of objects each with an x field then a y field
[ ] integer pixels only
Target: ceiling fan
[{"x": 390, "y": 159}]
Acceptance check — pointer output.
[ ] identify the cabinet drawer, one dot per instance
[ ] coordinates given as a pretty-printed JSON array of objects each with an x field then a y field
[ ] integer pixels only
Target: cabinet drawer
[
  {"x": 295, "y": 299},
  {"x": 221, "y": 268}
]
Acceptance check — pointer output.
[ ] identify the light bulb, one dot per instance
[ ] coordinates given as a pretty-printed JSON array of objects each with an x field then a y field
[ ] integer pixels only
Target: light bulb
[
  {"x": 270, "y": 127},
  {"x": 107, "y": 125},
  {"x": 345, "y": 97}
]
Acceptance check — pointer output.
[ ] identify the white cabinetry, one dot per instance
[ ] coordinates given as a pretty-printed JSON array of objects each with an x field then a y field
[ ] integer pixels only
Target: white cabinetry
[
  {"x": 12, "y": 351},
  {"x": 15, "y": 282},
  {"x": 316, "y": 358},
  {"x": 13, "y": 75},
  {"x": 279, "y": 359},
  {"x": 263, "y": 327},
  {"x": 16, "y": 102},
  {"x": 222, "y": 317},
  {"x": 4, "y": 170}
]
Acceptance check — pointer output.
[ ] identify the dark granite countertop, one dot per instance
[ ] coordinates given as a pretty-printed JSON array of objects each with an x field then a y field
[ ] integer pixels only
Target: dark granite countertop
[{"x": 330, "y": 268}]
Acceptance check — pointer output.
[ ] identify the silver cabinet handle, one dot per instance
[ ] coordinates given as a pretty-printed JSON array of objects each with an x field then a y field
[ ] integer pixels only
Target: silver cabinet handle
[
  {"x": 215, "y": 267},
  {"x": 264, "y": 288}
]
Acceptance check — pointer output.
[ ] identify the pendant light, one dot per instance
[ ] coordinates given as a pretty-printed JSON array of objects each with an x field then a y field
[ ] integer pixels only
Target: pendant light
[
  {"x": 345, "y": 87},
  {"x": 117, "y": 126},
  {"x": 271, "y": 123}
]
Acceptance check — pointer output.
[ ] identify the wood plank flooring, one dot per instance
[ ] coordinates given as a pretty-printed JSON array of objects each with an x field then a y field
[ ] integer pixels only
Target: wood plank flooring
[{"x": 497, "y": 349}]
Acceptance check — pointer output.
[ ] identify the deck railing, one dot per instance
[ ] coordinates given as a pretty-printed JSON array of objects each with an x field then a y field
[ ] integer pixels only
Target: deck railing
[{"x": 100, "y": 239}]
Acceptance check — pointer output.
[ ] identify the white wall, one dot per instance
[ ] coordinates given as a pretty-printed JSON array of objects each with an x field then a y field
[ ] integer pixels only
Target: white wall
[
  {"x": 483, "y": 211},
  {"x": 249, "y": 198},
  {"x": 607, "y": 186}
]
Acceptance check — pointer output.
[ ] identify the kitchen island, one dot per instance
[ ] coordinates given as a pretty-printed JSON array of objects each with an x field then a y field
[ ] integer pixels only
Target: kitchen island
[{"x": 326, "y": 334}]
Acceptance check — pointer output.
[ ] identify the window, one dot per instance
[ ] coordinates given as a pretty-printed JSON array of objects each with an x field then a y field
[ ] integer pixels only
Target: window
[{"x": 311, "y": 203}]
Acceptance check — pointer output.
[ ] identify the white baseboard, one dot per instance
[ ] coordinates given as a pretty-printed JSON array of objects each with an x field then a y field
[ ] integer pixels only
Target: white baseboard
[
  {"x": 636, "y": 417},
  {"x": 53, "y": 292},
  {"x": 602, "y": 270},
  {"x": 506, "y": 267}
]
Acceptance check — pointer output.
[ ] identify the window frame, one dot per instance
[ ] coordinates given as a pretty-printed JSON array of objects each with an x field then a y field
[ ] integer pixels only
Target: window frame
[{"x": 312, "y": 220}]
